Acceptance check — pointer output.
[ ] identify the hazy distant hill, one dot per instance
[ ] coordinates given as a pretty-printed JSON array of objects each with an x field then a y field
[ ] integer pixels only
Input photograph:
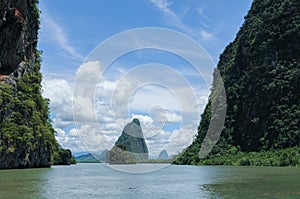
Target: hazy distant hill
[
  {"x": 91, "y": 158},
  {"x": 163, "y": 155},
  {"x": 88, "y": 158}
]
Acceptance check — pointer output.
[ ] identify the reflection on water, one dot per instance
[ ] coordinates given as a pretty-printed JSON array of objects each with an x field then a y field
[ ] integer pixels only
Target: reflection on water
[{"x": 98, "y": 181}]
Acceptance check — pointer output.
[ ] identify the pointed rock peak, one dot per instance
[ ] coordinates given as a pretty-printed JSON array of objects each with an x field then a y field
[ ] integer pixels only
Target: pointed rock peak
[
  {"x": 136, "y": 121},
  {"x": 134, "y": 129}
]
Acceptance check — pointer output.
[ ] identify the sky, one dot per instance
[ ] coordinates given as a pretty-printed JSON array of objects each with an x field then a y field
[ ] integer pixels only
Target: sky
[{"x": 154, "y": 75}]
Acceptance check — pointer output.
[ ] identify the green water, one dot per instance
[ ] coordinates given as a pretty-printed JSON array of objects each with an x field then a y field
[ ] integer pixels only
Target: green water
[{"x": 99, "y": 181}]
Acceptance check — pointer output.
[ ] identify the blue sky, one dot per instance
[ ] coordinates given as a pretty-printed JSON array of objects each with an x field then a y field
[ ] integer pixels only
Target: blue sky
[{"x": 70, "y": 30}]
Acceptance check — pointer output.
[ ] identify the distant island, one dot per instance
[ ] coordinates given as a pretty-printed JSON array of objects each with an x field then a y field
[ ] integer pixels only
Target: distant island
[
  {"x": 93, "y": 157},
  {"x": 102, "y": 157},
  {"x": 130, "y": 146},
  {"x": 163, "y": 155}
]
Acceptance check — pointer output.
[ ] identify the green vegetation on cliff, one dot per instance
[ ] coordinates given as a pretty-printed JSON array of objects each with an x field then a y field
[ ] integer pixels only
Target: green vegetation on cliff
[
  {"x": 120, "y": 155},
  {"x": 261, "y": 74},
  {"x": 278, "y": 157}
]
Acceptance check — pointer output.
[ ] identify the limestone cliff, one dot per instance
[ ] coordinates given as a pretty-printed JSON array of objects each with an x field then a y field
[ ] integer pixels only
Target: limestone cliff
[
  {"x": 261, "y": 74},
  {"x": 19, "y": 24},
  {"x": 26, "y": 135}
]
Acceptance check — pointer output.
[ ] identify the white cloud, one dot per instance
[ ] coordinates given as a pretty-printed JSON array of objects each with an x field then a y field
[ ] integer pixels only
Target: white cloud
[
  {"x": 142, "y": 88},
  {"x": 200, "y": 11},
  {"x": 83, "y": 110},
  {"x": 58, "y": 122},
  {"x": 180, "y": 139},
  {"x": 59, "y": 132},
  {"x": 84, "y": 92},
  {"x": 87, "y": 77},
  {"x": 60, "y": 94},
  {"x": 206, "y": 35},
  {"x": 144, "y": 119},
  {"x": 174, "y": 20},
  {"x": 69, "y": 142},
  {"x": 73, "y": 133},
  {"x": 163, "y": 116},
  {"x": 93, "y": 139},
  {"x": 172, "y": 117},
  {"x": 149, "y": 97},
  {"x": 58, "y": 35},
  {"x": 162, "y": 4},
  {"x": 172, "y": 17}
]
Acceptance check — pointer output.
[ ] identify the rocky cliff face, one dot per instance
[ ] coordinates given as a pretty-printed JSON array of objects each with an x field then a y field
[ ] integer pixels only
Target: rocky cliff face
[
  {"x": 19, "y": 24},
  {"x": 261, "y": 73},
  {"x": 26, "y": 135},
  {"x": 131, "y": 144}
]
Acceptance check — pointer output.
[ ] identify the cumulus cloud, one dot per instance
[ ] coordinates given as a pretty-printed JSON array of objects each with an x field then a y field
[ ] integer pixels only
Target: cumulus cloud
[
  {"x": 58, "y": 122},
  {"x": 59, "y": 132},
  {"x": 83, "y": 110},
  {"x": 87, "y": 77},
  {"x": 92, "y": 138},
  {"x": 146, "y": 120},
  {"x": 60, "y": 94},
  {"x": 67, "y": 141},
  {"x": 84, "y": 91},
  {"x": 165, "y": 116}
]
